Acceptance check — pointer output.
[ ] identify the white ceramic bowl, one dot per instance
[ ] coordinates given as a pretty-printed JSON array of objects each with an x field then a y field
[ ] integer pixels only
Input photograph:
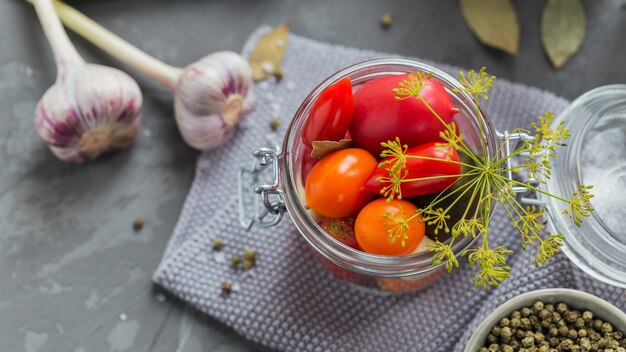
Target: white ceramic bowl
[{"x": 573, "y": 298}]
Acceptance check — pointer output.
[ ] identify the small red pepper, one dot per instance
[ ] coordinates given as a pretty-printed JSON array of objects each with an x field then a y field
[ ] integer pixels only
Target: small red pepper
[
  {"x": 447, "y": 165},
  {"x": 331, "y": 115}
]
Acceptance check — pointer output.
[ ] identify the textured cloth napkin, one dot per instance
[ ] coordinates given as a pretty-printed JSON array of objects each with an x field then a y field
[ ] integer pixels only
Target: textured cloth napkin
[{"x": 288, "y": 301}]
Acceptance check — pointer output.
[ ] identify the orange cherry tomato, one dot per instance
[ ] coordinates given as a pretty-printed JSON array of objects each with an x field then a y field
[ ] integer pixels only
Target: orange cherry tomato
[
  {"x": 334, "y": 187},
  {"x": 376, "y": 219}
]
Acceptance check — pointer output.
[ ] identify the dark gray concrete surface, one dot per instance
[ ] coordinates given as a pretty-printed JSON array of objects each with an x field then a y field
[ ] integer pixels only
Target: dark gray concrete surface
[{"x": 73, "y": 274}]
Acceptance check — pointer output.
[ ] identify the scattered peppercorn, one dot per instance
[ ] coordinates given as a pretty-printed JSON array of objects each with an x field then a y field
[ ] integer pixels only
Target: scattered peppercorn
[
  {"x": 386, "y": 20},
  {"x": 247, "y": 264},
  {"x": 249, "y": 254},
  {"x": 138, "y": 224},
  {"x": 227, "y": 287},
  {"x": 217, "y": 244},
  {"x": 274, "y": 124},
  {"x": 235, "y": 260}
]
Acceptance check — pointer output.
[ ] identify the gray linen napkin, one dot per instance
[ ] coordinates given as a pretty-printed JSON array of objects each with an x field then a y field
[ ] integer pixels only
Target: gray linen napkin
[{"x": 288, "y": 301}]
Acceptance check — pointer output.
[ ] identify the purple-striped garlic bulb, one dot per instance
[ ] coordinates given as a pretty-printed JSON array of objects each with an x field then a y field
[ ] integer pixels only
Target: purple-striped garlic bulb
[
  {"x": 90, "y": 109},
  {"x": 210, "y": 95}
]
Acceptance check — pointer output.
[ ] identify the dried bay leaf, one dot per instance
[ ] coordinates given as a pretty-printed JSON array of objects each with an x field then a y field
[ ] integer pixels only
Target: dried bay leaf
[
  {"x": 323, "y": 148},
  {"x": 268, "y": 53},
  {"x": 562, "y": 29},
  {"x": 493, "y": 22}
]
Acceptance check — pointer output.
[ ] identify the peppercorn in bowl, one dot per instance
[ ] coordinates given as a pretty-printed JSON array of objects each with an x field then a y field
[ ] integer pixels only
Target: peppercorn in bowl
[{"x": 551, "y": 320}]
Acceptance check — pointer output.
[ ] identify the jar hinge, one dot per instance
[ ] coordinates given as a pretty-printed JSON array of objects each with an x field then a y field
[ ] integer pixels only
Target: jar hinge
[
  {"x": 271, "y": 196},
  {"x": 513, "y": 138}
]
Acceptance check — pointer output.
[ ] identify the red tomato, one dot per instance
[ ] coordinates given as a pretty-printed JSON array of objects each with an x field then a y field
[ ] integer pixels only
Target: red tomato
[
  {"x": 419, "y": 168},
  {"x": 379, "y": 116},
  {"x": 331, "y": 115},
  {"x": 342, "y": 230},
  {"x": 378, "y": 217},
  {"x": 334, "y": 187}
]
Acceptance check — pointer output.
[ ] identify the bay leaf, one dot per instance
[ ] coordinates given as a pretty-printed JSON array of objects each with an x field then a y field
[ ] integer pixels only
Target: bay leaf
[
  {"x": 562, "y": 29},
  {"x": 323, "y": 148},
  {"x": 268, "y": 53},
  {"x": 493, "y": 22}
]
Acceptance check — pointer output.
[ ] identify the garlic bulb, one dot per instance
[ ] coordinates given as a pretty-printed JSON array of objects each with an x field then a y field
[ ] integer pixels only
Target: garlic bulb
[
  {"x": 90, "y": 109},
  {"x": 211, "y": 95}
]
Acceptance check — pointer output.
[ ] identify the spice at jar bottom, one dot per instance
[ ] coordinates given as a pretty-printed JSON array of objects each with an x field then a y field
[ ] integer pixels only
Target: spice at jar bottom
[{"x": 553, "y": 328}]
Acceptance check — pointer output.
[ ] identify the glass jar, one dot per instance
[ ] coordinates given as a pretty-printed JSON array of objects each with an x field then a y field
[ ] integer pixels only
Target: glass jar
[
  {"x": 289, "y": 164},
  {"x": 285, "y": 191},
  {"x": 596, "y": 155}
]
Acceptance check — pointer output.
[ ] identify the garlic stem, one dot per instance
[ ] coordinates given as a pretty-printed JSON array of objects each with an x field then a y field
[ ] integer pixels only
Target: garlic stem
[
  {"x": 64, "y": 52},
  {"x": 114, "y": 45}
]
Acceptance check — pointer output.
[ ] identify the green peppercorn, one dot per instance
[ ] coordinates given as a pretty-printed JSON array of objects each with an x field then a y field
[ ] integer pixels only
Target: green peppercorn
[
  {"x": 618, "y": 335},
  {"x": 217, "y": 244},
  {"x": 563, "y": 330},
  {"x": 620, "y": 349},
  {"x": 606, "y": 327},
  {"x": 561, "y": 308},
  {"x": 575, "y": 348},
  {"x": 249, "y": 254},
  {"x": 585, "y": 344},
  {"x": 612, "y": 344},
  {"x": 597, "y": 324},
  {"x": 556, "y": 316},
  {"x": 528, "y": 342},
  {"x": 554, "y": 341},
  {"x": 526, "y": 312},
  {"x": 572, "y": 334},
  {"x": 386, "y": 20},
  {"x": 537, "y": 306},
  {"x": 544, "y": 348},
  {"x": 544, "y": 314},
  {"x": 516, "y": 314},
  {"x": 602, "y": 342},
  {"x": 567, "y": 344},
  {"x": 546, "y": 324},
  {"x": 235, "y": 260},
  {"x": 582, "y": 333},
  {"x": 550, "y": 307},
  {"x": 247, "y": 264},
  {"x": 539, "y": 336},
  {"x": 515, "y": 344},
  {"x": 520, "y": 334},
  {"x": 594, "y": 336},
  {"x": 506, "y": 332},
  {"x": 587, "y": 315},
  {"x": 495, "y": 330},
  {"x": 533, "y": 319},
  {"x": 226, "y": 288},
  {"x": 505, "y": 322},
  {"x": 609, "y": 350},
  {"x": 494, "y": 347},
  {"x": 525, "y": 324},
  {"x": 507, "y": 348},
  {"x": 572, "y": 316},
  {"x": 554, "y": 332},
  {"x": 492, "y": 339},
  {"x": 580, "y": 322}
]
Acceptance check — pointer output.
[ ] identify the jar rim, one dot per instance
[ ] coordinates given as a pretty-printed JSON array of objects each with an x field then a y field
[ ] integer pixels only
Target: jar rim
[{"x": 335, "y": 251}]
